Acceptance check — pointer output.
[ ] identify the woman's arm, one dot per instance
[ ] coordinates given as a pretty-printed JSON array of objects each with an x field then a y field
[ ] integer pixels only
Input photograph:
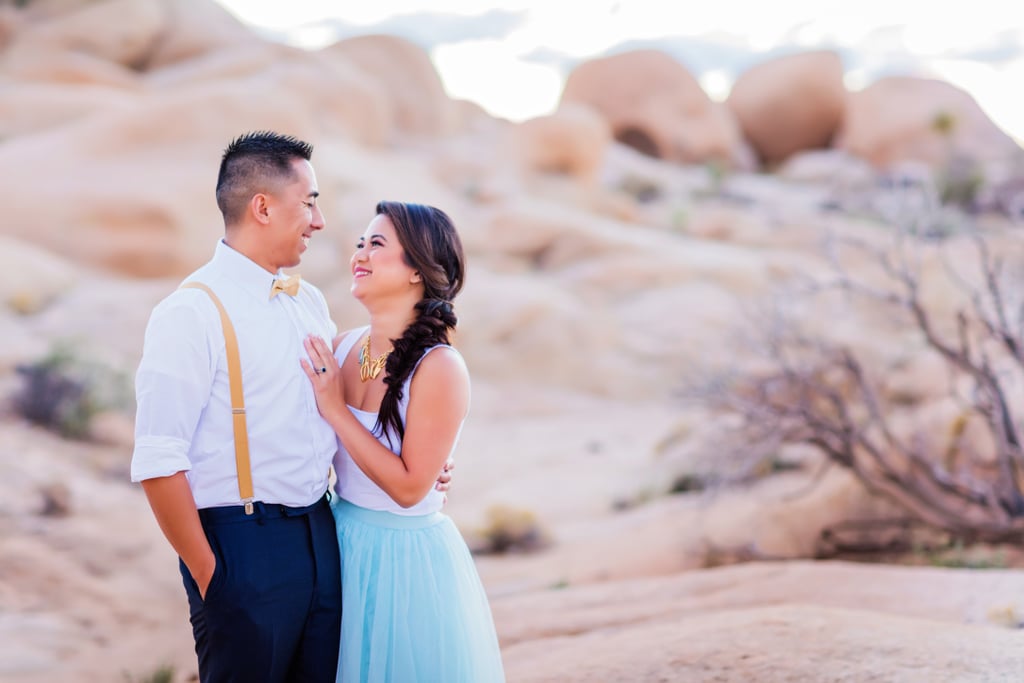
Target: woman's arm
[{"x": 438, "y": 402}]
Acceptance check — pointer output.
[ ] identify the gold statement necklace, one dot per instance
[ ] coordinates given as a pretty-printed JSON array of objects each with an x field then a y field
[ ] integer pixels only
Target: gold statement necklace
[{"x": 370, "y": 368}]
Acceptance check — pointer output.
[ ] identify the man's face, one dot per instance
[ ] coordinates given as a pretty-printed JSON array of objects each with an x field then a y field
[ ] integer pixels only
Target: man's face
[{"x": 294, "y": 216}]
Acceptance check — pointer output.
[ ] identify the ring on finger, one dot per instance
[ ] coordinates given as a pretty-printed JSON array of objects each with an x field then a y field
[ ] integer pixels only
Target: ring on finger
[{"x": 323, "y": 370}]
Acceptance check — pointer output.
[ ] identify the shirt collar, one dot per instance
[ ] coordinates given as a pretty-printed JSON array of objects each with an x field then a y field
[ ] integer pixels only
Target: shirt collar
[{"x": 243, "y": 271}]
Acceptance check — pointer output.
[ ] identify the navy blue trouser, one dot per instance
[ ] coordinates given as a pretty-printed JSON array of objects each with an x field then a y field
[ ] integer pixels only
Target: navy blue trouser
[{"x": 272, "y": 612}]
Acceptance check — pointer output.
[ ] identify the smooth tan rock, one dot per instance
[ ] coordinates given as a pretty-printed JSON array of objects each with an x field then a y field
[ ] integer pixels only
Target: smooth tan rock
[
  {"x": 197, "y": 27},
  {"x": 342, "y": 98},
  {"x": 852, "y": 643},
  {"x": 654, "y": 104},
  {"x": 572, "y": 141},
  {"x": 45, "y": 10},
  {"x": 349, "y": 102},
  {"x": 467, "y": 115},
  {"x": 545, "y": 237},
  {"x": 544, "y": 326},
  {"x": 12, "y": 21},
  {"x": 167, "y": 225},
  {"x": 832, "y": 167},
  {"x": 34, "y": 63},
  {"x": 726, "y": 224},
  {"x": 419, "y": 104},
  {"x": 903, "y": 118},
  {"x": 478, "y": 163},
  {"x": 233, "y": 61},
  {"x": 940, "y": 595},
  {"x": 919, "y": 377},
  {"x": 113, "y": 428},
  {"x": 120, "y": 31},
  {"x": 790, "y": 104},
  {"x": 33, "y": 107},
  {"x": 951, "y": 436},
  {"x": 106, "y": 42},
  {"x": 30, "y": 277}
]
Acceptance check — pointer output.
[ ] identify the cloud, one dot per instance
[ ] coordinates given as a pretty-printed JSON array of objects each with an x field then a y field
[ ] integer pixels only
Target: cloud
[
  {"x": 724, "y": 54},
  {"x": 429, "y": 29},
  {"x": 877, "y": 55},
  {"x": 1005, "y": 47},
  {"x": 699, "y": 55},
  {"x": 546, "y": 56},
  {"x": 426, "y": 29}
]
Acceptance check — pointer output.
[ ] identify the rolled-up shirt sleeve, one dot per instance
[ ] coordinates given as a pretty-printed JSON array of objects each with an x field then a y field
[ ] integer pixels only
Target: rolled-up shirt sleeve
[{"x": 172, "y": 387}]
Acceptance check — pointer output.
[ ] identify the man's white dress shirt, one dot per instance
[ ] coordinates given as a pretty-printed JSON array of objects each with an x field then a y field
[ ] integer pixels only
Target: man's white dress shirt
[{"x": 183, "y": 422}]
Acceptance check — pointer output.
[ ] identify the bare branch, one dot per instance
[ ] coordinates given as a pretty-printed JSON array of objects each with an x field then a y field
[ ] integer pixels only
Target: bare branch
[{"x": 820, "y": 393}]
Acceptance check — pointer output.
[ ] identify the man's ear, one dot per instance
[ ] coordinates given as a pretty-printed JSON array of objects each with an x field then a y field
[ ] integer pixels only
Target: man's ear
[{"x": 259, "y": 205}]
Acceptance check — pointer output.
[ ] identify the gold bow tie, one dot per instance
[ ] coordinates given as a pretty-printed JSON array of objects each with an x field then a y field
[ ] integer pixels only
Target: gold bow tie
[{"x": 288, "y": 285}]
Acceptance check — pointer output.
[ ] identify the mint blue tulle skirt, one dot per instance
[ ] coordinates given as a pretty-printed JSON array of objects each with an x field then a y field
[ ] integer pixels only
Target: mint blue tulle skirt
[{"x": 413, "y": 607}]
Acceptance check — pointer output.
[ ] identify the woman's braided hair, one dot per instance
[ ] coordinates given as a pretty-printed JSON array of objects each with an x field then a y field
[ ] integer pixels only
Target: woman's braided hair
[{"x": 432, "y": 247}]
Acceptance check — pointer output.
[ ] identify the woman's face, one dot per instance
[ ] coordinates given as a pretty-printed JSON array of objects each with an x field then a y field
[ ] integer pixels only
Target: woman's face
[{"x": 378, "y": 263}]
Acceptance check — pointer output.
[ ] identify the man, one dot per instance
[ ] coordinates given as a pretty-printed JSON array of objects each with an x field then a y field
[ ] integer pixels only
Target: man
[{"x": 262, "y": 578}]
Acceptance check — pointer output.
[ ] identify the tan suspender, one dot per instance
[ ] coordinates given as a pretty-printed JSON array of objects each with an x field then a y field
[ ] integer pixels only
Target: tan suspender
[{"x": 237, "y": 400}]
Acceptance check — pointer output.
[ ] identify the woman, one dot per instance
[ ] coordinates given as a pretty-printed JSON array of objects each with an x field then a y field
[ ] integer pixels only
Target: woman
[{"x": 396, "y": 393}]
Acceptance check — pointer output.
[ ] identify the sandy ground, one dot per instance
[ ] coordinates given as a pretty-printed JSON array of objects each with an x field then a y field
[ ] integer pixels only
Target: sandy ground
[{"x": 95, "y": 595}]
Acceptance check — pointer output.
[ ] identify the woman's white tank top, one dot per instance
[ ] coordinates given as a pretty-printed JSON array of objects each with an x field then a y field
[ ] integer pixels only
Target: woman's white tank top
[{"x": 353, "y": 485}]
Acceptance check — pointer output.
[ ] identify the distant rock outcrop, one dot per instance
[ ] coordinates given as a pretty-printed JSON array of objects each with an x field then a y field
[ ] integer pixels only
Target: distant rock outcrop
[
  {"x": 118, "y": 32},
  {"x": 404, "y": 73},
  {"x": 37, "y": 106},
  {"x": 572, "y": 141},
  {"x": 655, "y": 105},
  {"x": 31, "y": 277},
  {"x": 112, "y": 41},
  {"x": 790, "y": 104},
  {"x": 903, "y": 118},
  {"x": 193, "y": 28}
]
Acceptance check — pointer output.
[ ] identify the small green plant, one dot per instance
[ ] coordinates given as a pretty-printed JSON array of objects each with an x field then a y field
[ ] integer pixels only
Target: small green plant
[
  {"x": 943, "y": 123},
  {"x": 959, "y": 556},
  {"x": 641, "y": 497},
  {"x": 1007, "y": 616},
  {"x": 961, "y": 183},
  {"x": 774, "y": 464},
  {"x": 51, "y": 397},
  {"x": 63, "y": 393},
  {"x": 511, "y": 530},
  {"x": 56, "y": 500},
  {"x": 680, "y": 221},
  {"x": 641, "y": 188},
  {"x": 687, "y": 483},
  {"x": 961, "y": 180},
  {"x": 717, "y": 174}
]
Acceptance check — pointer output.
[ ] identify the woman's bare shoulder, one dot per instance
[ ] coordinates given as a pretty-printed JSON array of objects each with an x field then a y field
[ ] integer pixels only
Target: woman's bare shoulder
[{"x": 342, "y": 335}]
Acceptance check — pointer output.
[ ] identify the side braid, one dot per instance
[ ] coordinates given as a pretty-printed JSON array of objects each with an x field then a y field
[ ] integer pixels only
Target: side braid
[
  {"x": 431, "y": 327},
  {"x": 432, "y": 247}
]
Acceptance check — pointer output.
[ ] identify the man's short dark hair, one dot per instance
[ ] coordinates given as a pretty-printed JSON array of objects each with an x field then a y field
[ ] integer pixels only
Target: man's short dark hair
[{"x": 255, "y": 162}]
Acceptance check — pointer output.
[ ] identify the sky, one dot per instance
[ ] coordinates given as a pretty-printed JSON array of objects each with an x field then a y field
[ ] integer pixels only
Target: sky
[{"x": 512, "y": 57}]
